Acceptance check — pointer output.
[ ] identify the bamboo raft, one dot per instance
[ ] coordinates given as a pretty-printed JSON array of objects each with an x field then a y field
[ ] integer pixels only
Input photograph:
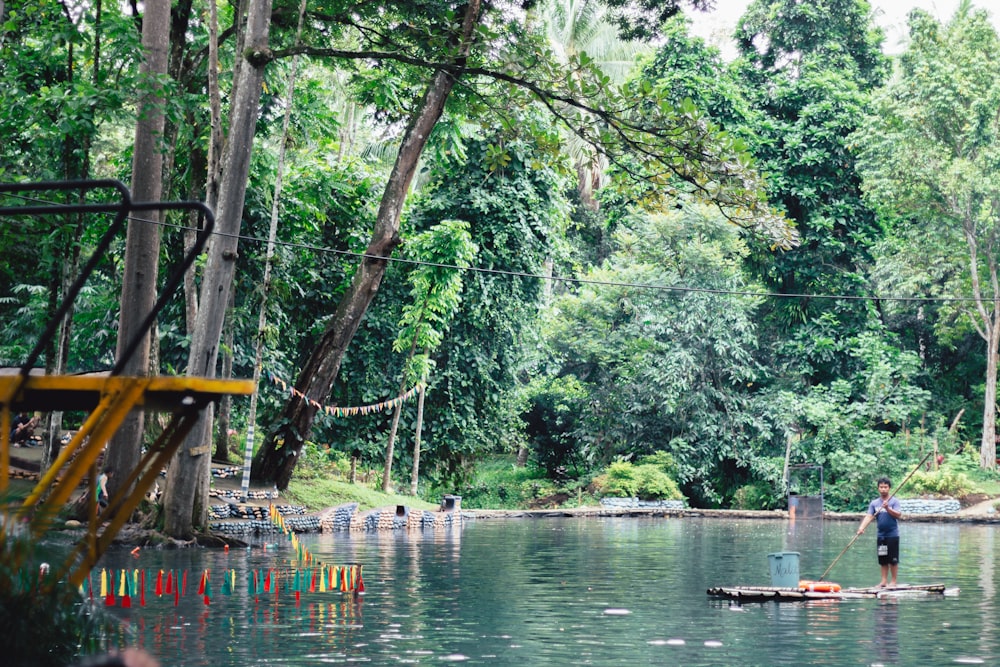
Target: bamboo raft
[{"x": 777, "y": 594}]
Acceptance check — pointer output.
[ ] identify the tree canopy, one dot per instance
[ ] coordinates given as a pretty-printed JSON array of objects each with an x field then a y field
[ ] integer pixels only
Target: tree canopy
[{"x": 729, "y": 267}]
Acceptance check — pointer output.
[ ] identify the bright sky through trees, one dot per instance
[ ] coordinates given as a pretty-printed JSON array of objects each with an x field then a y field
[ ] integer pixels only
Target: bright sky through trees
[{"x": 717, "y": 26}]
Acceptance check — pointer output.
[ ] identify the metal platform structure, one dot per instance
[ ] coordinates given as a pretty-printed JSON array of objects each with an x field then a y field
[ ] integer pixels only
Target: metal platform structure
[{"x": 107, "y": 397}]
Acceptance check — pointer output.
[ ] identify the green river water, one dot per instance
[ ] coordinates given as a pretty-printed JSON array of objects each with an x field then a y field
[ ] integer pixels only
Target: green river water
[{"x": 622, "y": 591}]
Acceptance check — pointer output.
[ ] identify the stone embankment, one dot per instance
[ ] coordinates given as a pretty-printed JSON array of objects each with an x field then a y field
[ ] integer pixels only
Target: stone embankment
[
  {"x": 912, "y": 506},
  {"x": 230, "y": 516},
  {"x": 255, "y": 520},
  {"x": 946, "y": 510},
  {"x": 348, "y": 518}
]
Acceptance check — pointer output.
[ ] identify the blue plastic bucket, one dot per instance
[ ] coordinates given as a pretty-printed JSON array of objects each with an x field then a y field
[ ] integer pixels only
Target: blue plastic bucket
[{"x": 784, "y": 569}]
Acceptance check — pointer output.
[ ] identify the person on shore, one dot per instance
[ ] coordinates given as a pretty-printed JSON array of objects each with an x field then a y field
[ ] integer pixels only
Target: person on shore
[
  {"x": 22, "y": 428},
  {"x": 885, "y": 511},
  {"x": 793, "y": 504},
  {"x": 102, "y": 487}
]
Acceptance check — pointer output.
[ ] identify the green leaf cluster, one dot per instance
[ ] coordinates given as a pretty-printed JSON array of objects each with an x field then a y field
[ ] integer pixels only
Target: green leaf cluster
[
  {"x": 940, "y": 482},
  {"x": 646, "y": 481}
]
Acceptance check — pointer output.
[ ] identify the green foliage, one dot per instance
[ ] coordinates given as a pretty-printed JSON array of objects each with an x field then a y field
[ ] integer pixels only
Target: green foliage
[
  {"x": 941, "y": 482},
  {"x": 645, "y": 481},
  {"x": 664, "y": 365},
  {"x": 929, "y": 154},
  {"x": 687, "y": 71},
  {"x": 867, "y": 422},
  {"x": 644, "y": 18},
  {"x": 321, "y": 462},
  {"x": 663, "y": 460},
  {"x": 512, "y": 215},
  {"x": 658, "y": 355},
  {"x": 45, "y": 622},
  {"x": 966, "y": 463},
  {"x": 553, "y": 414},
  {"x": 851, "y": 473},
  {"x": 780, "y": 36},
  {"x": 435, "y": 290},
  {"x": 39, "y": 251},
  {"x": 65, "y": 76},
  {"x": 499, "y": 484},
  {"x": 807, "y": 70},
  {"x": 756, "y": 496}
]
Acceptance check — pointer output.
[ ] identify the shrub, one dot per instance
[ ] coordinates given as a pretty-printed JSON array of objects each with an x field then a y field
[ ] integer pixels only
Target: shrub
[
  {"x": 500, "y": 484},
  {"x": 647, "y": 482},
  {"x": 551, "y": 421},
  {"x": 756, "y": 496},
  {"x": 321, "y": 462},
  {"x": 941, "y": 482}
]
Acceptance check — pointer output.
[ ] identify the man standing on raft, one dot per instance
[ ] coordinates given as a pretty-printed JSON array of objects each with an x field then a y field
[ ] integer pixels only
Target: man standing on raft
[{"x": 886, "y": 511}]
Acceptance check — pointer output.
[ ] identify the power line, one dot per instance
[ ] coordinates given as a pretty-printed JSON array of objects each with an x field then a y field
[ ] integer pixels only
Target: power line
[
  {"x": 601, "y": 283},
  {"x": 571, "y": 280}
]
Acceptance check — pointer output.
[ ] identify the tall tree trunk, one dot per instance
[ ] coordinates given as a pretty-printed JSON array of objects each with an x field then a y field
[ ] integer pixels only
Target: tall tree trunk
[
  {"x": 988, "y": 311},
  {"x": 142, "y": 244},
  {"x": 69, "y": 271},
  {"x": 391, "y": 444},
  {"x": 988, "y": 446},
  {"x": 226, "y": 402},
  {"x": 415, "y": 476},
  {"x": 186, "y": 496},
  {"x": 272, "y": 234},
  {"x": 215, "y": 140},
  {"x": 76, "y": 166},
  {"x": 276, "y": 459}
]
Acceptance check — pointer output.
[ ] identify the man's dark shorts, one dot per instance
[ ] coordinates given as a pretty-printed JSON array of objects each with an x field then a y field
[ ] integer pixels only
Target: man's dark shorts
[{"x": 888, "y": 551}]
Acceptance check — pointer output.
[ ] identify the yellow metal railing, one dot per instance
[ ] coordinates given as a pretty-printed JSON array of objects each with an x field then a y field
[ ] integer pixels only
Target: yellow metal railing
[{"x": 108, "y": 399}]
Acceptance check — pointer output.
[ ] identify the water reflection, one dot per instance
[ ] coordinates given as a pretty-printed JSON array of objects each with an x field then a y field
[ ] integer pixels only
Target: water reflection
[
  {"x": 885, "y": 638},
  {"x": 596, "y": 591},
  {"x": 987, "y": 601}
]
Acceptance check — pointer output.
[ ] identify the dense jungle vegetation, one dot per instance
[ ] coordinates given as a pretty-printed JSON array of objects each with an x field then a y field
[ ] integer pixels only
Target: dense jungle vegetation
[{"x": 615, "y": 259}]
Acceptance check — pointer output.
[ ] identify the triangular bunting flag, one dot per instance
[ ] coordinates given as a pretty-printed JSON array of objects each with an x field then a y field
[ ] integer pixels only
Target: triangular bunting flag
[
  {"x": 109, "y": 598},
  {"x": 126, "y": 590},
  {"x": 207, "y": 589}
]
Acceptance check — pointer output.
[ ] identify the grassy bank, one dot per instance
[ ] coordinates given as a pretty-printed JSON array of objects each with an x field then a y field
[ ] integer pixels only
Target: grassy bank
[
  {"x": 316, "y": 494},
  {"x": 497, "y": 483}
]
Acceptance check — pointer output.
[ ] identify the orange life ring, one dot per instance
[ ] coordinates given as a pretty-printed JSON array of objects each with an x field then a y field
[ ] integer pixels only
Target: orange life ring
[{"x": 819, "y": 586}]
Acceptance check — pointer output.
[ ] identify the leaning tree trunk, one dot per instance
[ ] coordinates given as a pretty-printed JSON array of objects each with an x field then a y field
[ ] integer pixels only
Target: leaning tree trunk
[
  {"x": 185, "y": 500},
  {"x": 276, "y": 459}
]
